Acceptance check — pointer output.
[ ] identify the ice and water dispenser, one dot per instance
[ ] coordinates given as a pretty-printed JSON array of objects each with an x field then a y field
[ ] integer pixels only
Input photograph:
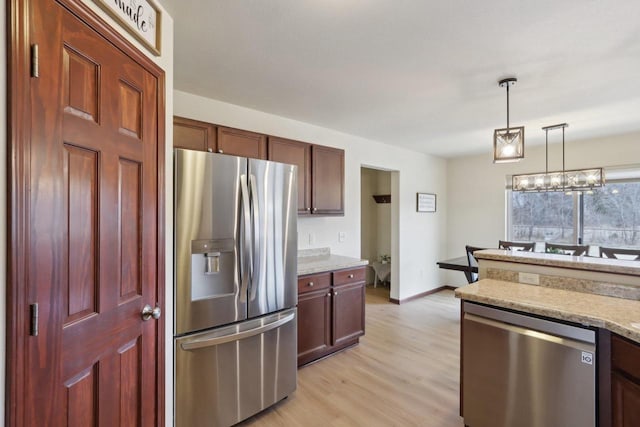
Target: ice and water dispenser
[{"x": 212, "y": 268}]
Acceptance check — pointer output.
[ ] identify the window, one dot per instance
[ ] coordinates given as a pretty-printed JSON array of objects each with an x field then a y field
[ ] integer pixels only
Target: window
[
  {"x": 607, "y": 216},
  {"x": 612, "y": 215}
]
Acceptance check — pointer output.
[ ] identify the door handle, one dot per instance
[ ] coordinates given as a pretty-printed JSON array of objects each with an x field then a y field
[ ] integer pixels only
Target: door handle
[
  {"x": 209, "y": 342},
  {"x": 256, "y": 271},
  {"x": 246, "y": 260},
  {"x": 148, "y": 312}
]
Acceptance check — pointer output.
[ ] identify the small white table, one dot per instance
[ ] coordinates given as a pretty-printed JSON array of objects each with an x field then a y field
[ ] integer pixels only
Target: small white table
[{"x": 382, "y": 272}]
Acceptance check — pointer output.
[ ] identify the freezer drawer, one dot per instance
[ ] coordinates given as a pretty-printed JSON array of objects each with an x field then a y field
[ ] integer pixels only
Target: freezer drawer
[
  {"x": 226, "y": 375},
  {"x": 523, "y": 371}
]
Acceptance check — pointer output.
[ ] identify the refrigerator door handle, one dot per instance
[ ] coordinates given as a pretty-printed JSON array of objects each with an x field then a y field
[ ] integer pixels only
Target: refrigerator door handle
[
  {"x": 255, "y": 272},
  {"x": 210, "y": 342},
  {"x": 245, "y": 251}
]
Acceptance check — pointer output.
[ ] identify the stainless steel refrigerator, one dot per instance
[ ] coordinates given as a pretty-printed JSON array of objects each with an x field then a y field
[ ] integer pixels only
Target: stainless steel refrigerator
[{"x": 235, "y": 286}]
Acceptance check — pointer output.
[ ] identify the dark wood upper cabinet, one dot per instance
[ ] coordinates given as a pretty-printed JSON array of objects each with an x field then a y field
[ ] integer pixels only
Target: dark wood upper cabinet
[
  {"x": 299, "y": 154},
  {"x": 327, "y": 180},
  {"x": 320, "y": 168},
  {"x": 193, "y": 134},
  {"x": 242, "y": 143}
]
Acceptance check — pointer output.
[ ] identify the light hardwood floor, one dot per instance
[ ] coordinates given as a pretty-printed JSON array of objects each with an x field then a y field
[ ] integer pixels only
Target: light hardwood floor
[{"x": 404, "y": 372}]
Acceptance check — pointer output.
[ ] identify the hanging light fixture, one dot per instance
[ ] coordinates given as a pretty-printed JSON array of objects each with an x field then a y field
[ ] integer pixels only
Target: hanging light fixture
[
  {"x": 508, "y": 143},
  {"x": 565, "y": 180}
]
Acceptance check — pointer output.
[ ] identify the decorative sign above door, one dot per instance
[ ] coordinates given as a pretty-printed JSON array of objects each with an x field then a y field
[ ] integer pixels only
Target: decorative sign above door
[{"x": 141, "y": 18}]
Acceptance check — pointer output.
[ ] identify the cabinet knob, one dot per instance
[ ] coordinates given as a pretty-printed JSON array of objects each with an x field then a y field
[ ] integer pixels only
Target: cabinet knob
[
  {"x": 329, "y": 294},
  {"x": 310, "y": 284},
  {"x": 220, "y": 151},
  {"x": 315, "y": 209},
  {"x": 210, "y": 150},
  {"x": 335, "y": 294},
  {"x": 308, "y": 209},
  {"x": 350, "y": 276}
]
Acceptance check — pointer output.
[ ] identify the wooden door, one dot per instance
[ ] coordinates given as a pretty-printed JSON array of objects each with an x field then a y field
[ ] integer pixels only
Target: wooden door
[
  {"x": 299, "y": 154},
  {"x": 194, "y": 135},
  {"x": 327, "y": 172},
  {"x": 91, "y": 232},
  {"x": 242, "y": 143}
]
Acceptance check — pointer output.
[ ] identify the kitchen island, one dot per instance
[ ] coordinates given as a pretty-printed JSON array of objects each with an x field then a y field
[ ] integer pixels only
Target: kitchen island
[{"x": 593, "y": 294}]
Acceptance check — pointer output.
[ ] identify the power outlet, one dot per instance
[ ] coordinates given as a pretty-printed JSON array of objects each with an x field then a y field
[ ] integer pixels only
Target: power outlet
[
  {"x": 529, "y": 278},
  {"x": 342, "y": 236}
]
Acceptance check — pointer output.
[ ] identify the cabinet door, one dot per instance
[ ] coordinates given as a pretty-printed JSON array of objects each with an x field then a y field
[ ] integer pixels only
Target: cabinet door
[
  {"x": 193, "y": 134},
  {"x": 625, "y": 401},
  {"x": 327, "y": 180},
  {"x": 314, "y": 325},
  {"x": 242, "y": 143},
  {"x": 299, "y": 154},
  {"x": 348, "y": 312}
]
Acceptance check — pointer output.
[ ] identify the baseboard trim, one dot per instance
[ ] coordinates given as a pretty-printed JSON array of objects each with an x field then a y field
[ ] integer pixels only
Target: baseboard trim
[{"x": 422, "y": 294}]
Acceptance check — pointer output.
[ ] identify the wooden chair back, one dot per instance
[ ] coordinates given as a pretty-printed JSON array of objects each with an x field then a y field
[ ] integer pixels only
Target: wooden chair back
[
  {"x": 471, "y": 276},
  {"x": 516, "y": 246},
  {"x": 617, "y": 252},
  {"x": 575, "y": 250}
]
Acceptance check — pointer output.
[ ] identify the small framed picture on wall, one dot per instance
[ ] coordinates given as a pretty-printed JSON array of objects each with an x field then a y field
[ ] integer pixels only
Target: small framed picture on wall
[{"x": 426, "y": 202}]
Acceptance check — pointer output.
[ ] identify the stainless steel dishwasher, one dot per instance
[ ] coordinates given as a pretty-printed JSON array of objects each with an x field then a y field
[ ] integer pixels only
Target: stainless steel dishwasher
[{"x": 522, "y": 371}]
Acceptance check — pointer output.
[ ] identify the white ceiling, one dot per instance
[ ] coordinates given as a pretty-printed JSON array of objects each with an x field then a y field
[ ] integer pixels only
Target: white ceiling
[{"x": 416, "y": 73}]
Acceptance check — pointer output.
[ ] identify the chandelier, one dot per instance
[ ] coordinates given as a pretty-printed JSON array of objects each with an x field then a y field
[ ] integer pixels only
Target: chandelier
[
  {"x": 508, "y": 143},
  {"x": 564, "y": 180}
]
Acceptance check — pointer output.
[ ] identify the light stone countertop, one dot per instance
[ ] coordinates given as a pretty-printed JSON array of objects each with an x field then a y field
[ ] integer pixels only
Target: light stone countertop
[
  {"x": 618, "y": 315},
  {"x": 321, "y": 261},
  {"x": 605, "y": 265}
]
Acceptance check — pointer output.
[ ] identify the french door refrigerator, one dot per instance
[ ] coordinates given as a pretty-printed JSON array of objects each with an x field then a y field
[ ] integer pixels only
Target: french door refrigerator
[{"x": 235, "y": 286}]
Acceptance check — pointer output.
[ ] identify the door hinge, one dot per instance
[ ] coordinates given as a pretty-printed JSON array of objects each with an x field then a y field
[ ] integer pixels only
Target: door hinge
[
  {"x": 35, "y": 66},
  {"x": 33, "y": 308}
]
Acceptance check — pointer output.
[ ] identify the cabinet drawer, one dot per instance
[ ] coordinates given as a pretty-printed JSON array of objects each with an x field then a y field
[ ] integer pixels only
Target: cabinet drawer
[
  {"x": 313, "y": 282},
  {"x": 351, "y": 275},
  {"x": 625, "y": 356}
]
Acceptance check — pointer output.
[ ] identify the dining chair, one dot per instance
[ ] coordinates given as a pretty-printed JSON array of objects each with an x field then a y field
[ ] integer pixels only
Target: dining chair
[
  {"x": 517, "y": 246},
  {"x": 471, "y": 260},
  {"x": 620, "y": 253},
  {"x": 575, "y": 250}
]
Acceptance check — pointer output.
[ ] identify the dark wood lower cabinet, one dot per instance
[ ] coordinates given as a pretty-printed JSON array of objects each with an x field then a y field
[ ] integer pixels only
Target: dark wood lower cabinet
[
  {"x": 625, "y": 382},
  {"x": 348, "y": 313},
  {"x": 314, "y": 325},
  {"x": 330, "y": 312},
  {"x": 626, "y": 401}
]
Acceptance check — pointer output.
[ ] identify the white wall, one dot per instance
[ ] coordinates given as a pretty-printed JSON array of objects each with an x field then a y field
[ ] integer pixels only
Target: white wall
[
  {"x": 420, "y": 237},
  {"x": 165, "y": 61},
  {"x": 476, "y": 186}
]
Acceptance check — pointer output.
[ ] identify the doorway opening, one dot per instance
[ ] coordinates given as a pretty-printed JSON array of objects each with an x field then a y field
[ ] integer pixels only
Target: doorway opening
[{"x": 375, "y": 221}]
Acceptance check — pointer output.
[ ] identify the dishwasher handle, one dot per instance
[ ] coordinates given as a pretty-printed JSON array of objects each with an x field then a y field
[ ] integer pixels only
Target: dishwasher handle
[
  {"x": 210, "y": 342},
  {"x": 565, "y": 341}
]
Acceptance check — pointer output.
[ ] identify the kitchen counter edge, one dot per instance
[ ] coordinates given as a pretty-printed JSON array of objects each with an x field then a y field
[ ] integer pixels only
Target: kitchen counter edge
[
  {"x": 621, "y": 316},
  {"x": 319, "y": 264}
]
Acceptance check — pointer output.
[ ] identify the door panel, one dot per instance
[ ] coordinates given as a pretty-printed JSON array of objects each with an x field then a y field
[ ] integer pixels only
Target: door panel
[
  {"x": 299, "y": 154},
  {"x": 207, "y": 224},
  {"x": 242, "y": 143},
  {"x": 274, "y": 216},
  {"x": 348, "y": 312},
  {"x": 93, "y": 230}
]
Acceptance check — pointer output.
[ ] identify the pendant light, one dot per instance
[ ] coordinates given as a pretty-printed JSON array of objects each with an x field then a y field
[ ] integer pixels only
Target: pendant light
[
  {"x": 508, "y": 143},
  {"x": 565, "y": 180}
]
